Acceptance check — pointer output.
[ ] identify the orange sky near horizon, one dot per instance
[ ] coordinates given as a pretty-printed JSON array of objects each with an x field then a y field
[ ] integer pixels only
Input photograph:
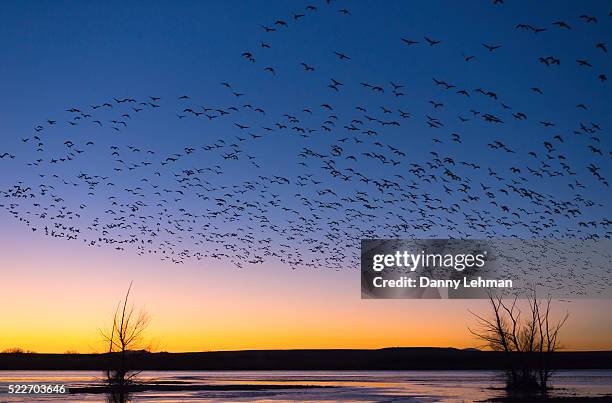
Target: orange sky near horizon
[{"x": 56, "y": 295}]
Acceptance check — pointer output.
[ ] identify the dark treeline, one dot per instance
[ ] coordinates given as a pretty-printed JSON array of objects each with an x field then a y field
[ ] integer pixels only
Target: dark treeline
[{"x": 383, "y": 359}]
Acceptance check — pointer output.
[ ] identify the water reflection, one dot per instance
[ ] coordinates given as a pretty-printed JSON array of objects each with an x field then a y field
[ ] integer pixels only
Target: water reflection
[
  {"x": 118, "y": 395},
  {"x": 275, "y": 386}
]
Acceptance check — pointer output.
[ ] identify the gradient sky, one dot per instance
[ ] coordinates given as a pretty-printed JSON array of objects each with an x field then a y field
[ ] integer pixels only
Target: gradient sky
[
  {"x": 54, "y": 295},
  {"x": 56, "y": 300}
]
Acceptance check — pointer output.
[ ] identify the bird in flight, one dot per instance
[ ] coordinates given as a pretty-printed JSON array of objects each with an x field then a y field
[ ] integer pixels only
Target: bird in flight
[
  {"x": 342, "y": 56},
  {"x": 491, "y": 48},
  {"x": 432, "y": 42}
]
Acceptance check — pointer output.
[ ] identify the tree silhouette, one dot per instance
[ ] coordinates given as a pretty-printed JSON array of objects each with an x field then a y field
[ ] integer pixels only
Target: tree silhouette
[
  {"x": 126, "y": 335},
  {"x": 527, "y": 340}
]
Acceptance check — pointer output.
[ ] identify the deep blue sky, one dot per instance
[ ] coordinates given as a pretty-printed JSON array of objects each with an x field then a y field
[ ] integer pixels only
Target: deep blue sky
[{"x": 59, "y": 55}]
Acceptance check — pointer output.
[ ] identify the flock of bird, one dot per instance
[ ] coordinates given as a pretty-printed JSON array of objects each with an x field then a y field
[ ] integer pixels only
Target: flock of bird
[{"x": 348, "y": 175}]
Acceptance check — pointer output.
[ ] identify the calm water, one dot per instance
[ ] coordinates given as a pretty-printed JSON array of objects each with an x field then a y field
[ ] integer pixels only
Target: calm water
[{"x": 350, "y": 386}]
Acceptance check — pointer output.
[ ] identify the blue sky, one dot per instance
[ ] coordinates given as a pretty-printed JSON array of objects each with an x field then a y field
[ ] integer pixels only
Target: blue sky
[{"x": 72, "y": 54}]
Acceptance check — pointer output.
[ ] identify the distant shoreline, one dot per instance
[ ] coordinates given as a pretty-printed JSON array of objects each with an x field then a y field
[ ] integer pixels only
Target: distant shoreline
[{"x": 410, "y": 358}]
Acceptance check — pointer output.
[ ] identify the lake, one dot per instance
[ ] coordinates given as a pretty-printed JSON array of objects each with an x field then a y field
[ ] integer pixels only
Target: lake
[{"x": 348, "y": 386}]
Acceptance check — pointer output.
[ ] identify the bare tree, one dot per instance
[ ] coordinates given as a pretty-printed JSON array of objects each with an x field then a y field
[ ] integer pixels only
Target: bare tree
[
  {"x": 527, "y": 339},
  {"x": 126, "y": 335}
]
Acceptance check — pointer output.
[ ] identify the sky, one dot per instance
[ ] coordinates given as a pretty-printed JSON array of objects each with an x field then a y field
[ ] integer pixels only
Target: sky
[
  {"x": 207, "y": 308},
  {"x": 55, "y": 294}
]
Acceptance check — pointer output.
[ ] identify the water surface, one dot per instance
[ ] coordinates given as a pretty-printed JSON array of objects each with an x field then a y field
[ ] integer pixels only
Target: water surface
[{"x": 348, "y": 386}]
